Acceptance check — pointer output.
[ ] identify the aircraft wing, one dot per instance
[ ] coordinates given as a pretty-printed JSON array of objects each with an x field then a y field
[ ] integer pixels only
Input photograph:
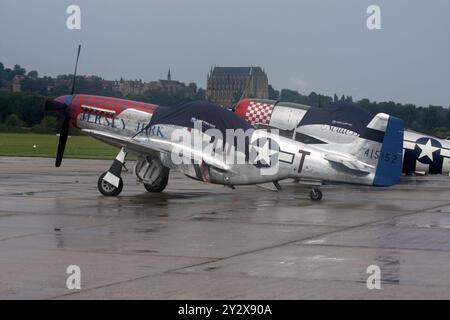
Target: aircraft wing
[
  {"x": 155, "y": 146},
  {"x": 349, "y": 162},
  {"x": 126, "y": 142}
]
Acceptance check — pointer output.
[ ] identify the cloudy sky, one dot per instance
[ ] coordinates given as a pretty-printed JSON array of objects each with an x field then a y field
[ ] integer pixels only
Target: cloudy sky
[{"x": 306, "y": 45}]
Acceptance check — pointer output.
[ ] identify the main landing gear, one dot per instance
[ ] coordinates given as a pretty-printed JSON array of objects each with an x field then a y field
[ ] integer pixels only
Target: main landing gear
[
  {"x": 160, "y": 184},
  {"x": 147, "y": 170},
  {"x": 151, "y": 172},
  {"x": 315, "y": 194}
]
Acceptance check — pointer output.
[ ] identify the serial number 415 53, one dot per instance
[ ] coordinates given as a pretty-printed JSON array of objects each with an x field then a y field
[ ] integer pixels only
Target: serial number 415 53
[{"x": 383, "y": 156}]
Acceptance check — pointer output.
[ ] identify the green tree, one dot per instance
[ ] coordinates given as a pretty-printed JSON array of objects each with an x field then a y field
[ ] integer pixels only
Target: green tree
[
  {"x": 273, "y": 93},
  {"x": 287, "y": 95},
  {"x": 201, "y": 94},
  {"x": 33, "y": 85},
  {"x": 48, "y": 124},
  {"x": 33, "y": 74},
  {"x": 7, "y": 74},
  {"x": 193, "y": 86},
  {"x": 313, "y": 99},
  {"x": 14, "y": 121},
  {"x": 18, "y": 70}
]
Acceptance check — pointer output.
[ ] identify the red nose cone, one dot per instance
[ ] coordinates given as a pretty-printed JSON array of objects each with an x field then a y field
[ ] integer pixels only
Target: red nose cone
[
  {"x": 61, "y": 99},
  {"x": 242, "y": 107},
  {"x": 254, "y": 111}
]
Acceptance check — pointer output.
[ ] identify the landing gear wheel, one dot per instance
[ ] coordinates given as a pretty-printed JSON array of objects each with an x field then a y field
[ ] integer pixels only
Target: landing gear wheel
[
  {"x": 159, "y": 187},
  {"x": 107, "y": 189},
  {"x": 315, "y": 194}
]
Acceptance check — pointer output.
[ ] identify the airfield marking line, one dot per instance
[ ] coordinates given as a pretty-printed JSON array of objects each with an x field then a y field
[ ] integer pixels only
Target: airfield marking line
[
  {"x": 176, "y": 270},
  {"x": 21, "y": 236},
  {"x": 385, "y": 283},
  {"x": 13, "y": 213},
  {"x": 389, "y": 283},
  {"x": 103, "y": 286},
  {"x": 366, "y": 247}
]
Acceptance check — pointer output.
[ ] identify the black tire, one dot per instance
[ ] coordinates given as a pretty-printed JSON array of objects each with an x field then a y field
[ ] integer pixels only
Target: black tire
[
  {"x": 108, "y": 189},
  {"x": 158, "y": 187},
  {"x": 315, "y": 194}
]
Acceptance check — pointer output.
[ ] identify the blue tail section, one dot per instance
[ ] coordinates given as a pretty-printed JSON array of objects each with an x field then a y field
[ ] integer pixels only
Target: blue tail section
[{"x": 390, "y": 161}]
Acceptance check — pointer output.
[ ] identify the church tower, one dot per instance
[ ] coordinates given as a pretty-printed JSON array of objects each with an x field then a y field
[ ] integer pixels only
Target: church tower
[{"x": 169, "y": 77}]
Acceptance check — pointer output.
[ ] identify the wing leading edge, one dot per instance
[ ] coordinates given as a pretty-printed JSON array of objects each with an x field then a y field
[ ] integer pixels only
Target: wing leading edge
[{"x": 156, "y": 146}]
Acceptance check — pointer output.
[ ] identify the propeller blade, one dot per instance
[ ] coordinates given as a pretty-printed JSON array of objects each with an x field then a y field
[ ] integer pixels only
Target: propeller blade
[
  {"x": 75, "y": 72},
  {"x": 64, "y": 133},
  {"x": 53, "y": 105}
]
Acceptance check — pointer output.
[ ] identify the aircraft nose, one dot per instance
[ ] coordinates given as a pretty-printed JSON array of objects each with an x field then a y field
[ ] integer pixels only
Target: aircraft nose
[{"x": 58, "y": 104}]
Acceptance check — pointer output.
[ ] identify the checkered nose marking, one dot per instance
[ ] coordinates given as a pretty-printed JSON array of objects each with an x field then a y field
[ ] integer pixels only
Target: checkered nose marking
[{"x": 258, "y": 113}]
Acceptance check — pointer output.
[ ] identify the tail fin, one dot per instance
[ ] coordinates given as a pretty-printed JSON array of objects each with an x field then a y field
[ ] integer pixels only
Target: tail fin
[{"x": 381, "y": 146}]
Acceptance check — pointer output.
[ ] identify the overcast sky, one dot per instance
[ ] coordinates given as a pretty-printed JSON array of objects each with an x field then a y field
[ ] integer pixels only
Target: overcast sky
[{"x": 306, "y": 45}]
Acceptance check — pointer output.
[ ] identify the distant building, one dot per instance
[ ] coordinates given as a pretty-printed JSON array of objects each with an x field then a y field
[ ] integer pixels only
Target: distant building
[
  {"x": 16, "y": 87},
  {"x": 139, "y": 87},
  {"x": 130, "y": 86},
  {"x": 226, "y": 85}
]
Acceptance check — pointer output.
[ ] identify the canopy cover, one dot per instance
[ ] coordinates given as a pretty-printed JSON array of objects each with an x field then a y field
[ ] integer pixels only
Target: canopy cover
[
  {"x": 339, "y": 115},
  {"x": 212, "y": 116}
]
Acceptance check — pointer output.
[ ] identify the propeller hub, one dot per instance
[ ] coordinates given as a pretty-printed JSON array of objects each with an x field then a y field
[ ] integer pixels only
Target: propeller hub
[{"x": 59, "y": 104}]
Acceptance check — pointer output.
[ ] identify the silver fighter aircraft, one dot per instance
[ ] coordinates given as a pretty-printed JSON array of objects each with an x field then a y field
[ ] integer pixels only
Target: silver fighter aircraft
[
  {"x": 422, "y": 153},
  {"x": 212, "y": 144},
  {"x": 209, "y": 143}
]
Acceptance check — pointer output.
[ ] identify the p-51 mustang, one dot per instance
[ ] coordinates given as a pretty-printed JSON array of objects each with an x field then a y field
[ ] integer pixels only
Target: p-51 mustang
[
  {"x": 162, "y": 139},
  {"x": 212, "y": 144},
  {"x": 342, "y": 124}
]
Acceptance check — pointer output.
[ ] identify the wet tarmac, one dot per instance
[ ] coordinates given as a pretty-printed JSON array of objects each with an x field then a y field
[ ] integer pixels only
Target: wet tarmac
[{"x": 201, "y": 241}]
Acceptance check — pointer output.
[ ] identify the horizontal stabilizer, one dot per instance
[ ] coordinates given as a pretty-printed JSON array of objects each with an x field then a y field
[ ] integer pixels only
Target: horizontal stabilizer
[
  {"x": 378, "y": 151},
  {"x": 350, "y": 163}
]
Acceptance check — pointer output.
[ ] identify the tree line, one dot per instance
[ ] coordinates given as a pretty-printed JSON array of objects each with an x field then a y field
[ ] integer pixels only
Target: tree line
[
  {"x": 433, "y": 120},
  {"x": 24, "y": 111}
]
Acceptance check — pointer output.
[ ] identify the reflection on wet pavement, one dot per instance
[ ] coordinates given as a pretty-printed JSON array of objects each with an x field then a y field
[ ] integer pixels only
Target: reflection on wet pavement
[{"x": 205, "y": 241}]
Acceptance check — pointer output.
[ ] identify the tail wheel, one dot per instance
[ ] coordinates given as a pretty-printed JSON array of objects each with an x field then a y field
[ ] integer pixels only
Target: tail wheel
[
  {"x": 315, "y": 194},
  {"x": 107, "y": 189},
  {"x": 160, "y": 185}
]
